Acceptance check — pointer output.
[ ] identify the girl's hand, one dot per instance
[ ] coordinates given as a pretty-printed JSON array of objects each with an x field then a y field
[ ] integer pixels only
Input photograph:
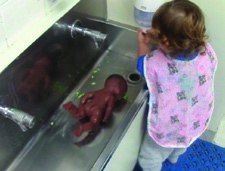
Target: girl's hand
[
  {"x": 143, "y": 36},
  {"x": 143, "y": 42}
]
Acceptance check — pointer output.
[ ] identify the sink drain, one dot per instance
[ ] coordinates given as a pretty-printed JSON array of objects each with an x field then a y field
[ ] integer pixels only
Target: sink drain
[{"x": 134, "y": 78}]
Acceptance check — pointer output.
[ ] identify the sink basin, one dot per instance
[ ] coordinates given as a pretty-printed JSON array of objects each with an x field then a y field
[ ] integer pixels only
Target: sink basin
[{"x": 77, "y": 67}]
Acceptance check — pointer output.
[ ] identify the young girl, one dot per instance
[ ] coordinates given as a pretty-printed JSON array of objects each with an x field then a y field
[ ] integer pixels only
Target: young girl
[{"x": 180, "y": 79}]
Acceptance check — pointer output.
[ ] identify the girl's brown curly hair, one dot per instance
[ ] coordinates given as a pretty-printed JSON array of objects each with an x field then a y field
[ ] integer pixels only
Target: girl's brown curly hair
[{"x": 180, "y": 25}]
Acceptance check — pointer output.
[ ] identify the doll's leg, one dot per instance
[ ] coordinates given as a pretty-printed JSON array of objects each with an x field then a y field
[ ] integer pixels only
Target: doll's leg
[
  {"x": 86, "y": 127},
  {"x": 77, "y": 113}
]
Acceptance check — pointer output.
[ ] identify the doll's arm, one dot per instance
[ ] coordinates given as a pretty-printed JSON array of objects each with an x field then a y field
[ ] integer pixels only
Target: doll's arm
[
  {"x": 109, "y": 109},
  {"x": 71, "y": 108},
  {"x": 87, "y": 97}
]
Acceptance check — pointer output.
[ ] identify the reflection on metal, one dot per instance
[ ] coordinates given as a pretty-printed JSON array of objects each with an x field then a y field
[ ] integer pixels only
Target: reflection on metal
[{"x": 23, "y": 119}]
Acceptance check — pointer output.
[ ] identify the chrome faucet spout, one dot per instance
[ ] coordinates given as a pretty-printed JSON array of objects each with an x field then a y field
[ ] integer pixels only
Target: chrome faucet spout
[
  {"x": 97, "y": 36},
  {"x": 23, "y": 119}
]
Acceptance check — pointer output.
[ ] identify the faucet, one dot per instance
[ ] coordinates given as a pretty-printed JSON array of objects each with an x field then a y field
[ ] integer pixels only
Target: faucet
[
  {"x": 23, "y": 119},
  {"x": 97, "y": 36}
]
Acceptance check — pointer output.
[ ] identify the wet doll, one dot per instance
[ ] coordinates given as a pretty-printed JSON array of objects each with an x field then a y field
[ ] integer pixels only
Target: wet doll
[{"x": 97, "y": 106}]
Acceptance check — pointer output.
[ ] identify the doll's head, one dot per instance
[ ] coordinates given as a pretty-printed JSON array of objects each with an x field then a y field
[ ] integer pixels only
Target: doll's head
[
  {"x": 179, "y": 26},
  {"x": 117, "y": 85}
]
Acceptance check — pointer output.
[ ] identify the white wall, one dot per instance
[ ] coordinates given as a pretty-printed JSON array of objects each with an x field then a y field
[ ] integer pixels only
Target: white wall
[
  {"x": 122, "y": 12},
  {"x": 23, "y": 21},
  {"x": 215, "y": 22}
]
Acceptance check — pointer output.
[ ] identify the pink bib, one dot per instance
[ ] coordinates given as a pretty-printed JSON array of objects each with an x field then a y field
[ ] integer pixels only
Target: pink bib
[{"x": 181, "y": 96}]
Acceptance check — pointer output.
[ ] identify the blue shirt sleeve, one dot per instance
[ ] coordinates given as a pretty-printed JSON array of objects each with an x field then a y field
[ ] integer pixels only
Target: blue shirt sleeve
[{"x": 140, "y": 64}]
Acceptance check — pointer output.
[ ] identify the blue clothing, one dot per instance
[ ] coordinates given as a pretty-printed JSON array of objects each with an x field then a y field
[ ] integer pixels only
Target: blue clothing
[
  {"x": 140, "y": 64},
  {"x": 140, "y": 61}
]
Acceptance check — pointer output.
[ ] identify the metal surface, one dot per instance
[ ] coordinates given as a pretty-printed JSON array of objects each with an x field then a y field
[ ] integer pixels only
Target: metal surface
[
  {"x": 93, "y": 8},
  {"x": 23, "y": 119},
  {"x": 49, "y": 145},
  {"x": 77, "y": 28}
]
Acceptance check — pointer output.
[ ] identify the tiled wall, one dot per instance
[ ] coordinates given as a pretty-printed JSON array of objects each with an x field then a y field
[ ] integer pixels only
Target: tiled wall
[{"x": 23, "y": 21}]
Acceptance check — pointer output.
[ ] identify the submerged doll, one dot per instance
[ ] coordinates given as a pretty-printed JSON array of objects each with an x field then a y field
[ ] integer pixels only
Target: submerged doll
[{"x": 97, "y": 105}]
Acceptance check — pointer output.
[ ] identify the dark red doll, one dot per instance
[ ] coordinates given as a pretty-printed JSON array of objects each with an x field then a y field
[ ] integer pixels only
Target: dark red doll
[{"x": 97, "y": 106}]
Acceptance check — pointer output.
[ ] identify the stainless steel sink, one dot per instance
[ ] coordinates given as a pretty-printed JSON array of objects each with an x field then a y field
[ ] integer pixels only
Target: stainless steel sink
[{"x": 79, "y": 67}]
